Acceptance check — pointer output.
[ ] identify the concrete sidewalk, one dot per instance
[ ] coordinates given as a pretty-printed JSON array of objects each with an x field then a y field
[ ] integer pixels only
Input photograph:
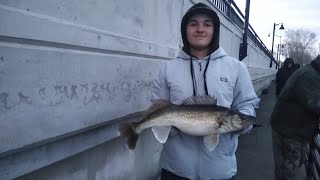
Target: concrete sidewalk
[{"x": 255, "y": 154}]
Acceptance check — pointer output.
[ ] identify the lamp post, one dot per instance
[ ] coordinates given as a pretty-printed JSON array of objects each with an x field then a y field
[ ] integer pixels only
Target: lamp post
[
  {"x": 274, "y": 28},
  {"x": 278, "y": 53}
]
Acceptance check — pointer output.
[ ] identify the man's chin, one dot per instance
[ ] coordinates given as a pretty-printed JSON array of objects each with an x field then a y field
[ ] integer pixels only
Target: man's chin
[{"x": 200, "y": 47}]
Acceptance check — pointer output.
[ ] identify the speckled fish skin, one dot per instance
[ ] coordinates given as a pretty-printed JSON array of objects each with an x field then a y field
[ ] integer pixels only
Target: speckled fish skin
[{"x": 197, "y": 120}]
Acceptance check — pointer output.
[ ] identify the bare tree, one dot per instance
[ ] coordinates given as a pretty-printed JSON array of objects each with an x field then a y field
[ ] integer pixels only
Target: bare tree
[{"x": 300, "y": 45}]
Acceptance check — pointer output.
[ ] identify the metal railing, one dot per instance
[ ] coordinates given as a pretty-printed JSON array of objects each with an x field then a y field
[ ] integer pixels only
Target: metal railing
[
  {"x": 230, "y": 9},
  {"x": 312, "y": 164},
  {"x": 221, "y": 5}
]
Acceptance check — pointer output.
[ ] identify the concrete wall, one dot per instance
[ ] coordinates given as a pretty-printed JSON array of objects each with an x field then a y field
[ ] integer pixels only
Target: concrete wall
[
  {"x": 69, "y": 68},
  {"x": 110, "y": 160},
  {"x": 256, "y": 61}
]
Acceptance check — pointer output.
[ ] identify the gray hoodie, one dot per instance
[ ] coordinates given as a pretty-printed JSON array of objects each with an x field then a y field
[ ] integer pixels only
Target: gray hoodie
[{"x": 229, "y": 81}]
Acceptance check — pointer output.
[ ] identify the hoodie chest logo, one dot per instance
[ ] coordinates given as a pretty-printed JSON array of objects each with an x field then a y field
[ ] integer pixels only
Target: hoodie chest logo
[{"x": 223, "y": 79}]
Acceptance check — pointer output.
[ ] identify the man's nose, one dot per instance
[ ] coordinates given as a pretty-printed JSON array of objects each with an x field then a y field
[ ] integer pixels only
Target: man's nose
[{"x": 200, "y": 28}]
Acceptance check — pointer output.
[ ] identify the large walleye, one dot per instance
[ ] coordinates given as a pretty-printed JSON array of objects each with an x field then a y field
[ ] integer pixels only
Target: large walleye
[{"x": 197, "y": 116}]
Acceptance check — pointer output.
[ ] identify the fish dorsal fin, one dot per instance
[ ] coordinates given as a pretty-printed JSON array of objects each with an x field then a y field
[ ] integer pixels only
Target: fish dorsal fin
[
  {"x": 156, "y": 105},
  {"x": 203, "y": 99}
]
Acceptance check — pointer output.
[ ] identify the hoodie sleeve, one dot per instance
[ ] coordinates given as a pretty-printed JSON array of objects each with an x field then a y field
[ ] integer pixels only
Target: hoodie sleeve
[
  {"x": 245, "y": 99},
  {"x": 160, "y": 89}
]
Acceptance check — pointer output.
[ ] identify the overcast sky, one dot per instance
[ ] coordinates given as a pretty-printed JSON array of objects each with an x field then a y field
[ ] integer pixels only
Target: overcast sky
[{"x": 294, "y": 14}]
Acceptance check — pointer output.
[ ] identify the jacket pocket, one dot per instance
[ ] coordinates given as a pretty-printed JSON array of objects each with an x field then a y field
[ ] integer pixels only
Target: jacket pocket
[{"x": 228, "y": 144}]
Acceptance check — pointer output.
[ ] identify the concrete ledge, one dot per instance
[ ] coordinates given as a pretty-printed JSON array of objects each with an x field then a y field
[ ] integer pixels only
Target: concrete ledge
[{"x": 41, "y": 154}]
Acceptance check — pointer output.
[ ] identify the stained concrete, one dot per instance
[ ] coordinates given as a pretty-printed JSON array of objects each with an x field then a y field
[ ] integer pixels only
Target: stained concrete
[{"x": 109, "y": 161}]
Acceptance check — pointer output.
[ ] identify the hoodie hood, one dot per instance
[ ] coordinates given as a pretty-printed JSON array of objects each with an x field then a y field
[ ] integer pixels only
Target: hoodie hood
[
  {"x": 200, "y": 8},
  {"x": 288, "y": 61}
]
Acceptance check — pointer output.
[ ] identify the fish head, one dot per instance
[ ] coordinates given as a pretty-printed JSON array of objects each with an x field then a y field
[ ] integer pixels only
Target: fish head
[
  {"x": 233, "y": 121},
  {"x": 247, "y": 120}
]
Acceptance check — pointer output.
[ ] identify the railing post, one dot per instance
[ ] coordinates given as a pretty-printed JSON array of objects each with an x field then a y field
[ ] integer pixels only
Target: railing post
[
  {"x": 244, "y": 44},
  {"x": 229, "y": 8}
]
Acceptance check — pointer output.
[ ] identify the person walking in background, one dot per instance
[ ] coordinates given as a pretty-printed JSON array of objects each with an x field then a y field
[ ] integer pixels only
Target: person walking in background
[
  {"x": 203, "y": 68},
  {"x": 284, "y": 73},
  {"x": 295, "y": 119}
]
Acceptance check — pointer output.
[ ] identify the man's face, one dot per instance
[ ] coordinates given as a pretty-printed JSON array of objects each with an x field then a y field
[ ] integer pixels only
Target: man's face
[
  {"x": 289, "y": 65},
  {"x": 200, "y": 32}
]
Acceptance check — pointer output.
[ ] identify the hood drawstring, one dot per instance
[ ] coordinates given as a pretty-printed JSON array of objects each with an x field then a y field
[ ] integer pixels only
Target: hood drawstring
[
  {"x": 194, "y": 82},
  {"x": 205, "y": 76}
]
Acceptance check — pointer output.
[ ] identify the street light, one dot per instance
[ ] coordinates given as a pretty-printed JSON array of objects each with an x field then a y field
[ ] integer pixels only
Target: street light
[
  {"x": 278, "y": 50},
  {"x": 274, "y": 28}
]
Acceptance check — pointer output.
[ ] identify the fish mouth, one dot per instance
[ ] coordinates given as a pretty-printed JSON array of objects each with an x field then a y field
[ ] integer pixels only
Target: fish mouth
[{"x": 249, "y": 121}]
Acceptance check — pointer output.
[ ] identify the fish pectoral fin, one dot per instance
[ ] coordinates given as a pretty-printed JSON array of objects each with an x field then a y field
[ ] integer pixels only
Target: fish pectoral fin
[
  {"x": 161, "y": 133},
  {"x": 211, "y": 141}
]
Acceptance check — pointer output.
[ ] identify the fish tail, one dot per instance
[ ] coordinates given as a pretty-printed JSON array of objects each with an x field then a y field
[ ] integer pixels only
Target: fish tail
[{"x": 127, "y": 130}]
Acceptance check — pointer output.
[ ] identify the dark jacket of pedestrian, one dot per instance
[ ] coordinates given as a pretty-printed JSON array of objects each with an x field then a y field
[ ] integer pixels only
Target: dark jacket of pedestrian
[
  {"x": 284, "y": 73},
  {"x": 296, "y": 113}
]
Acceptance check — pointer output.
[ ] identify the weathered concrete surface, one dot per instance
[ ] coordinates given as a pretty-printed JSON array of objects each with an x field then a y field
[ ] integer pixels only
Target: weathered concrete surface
[
  {"x": 110, "y": 160},
  {"x": 63, "y": 69},
  {"x": 34, "y": 158}
]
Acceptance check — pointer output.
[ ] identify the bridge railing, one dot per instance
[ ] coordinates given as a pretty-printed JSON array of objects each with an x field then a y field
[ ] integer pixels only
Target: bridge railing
[{"x": 230, "y": 9}]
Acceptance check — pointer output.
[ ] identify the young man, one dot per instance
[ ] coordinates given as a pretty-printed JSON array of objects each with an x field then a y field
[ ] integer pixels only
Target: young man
[
  {"x": 203, "y": 68},
  {"x": 295, "y": 119}
]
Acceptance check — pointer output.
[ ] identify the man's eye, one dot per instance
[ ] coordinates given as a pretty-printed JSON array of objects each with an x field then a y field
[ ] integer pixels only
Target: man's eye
[
  {"x": 208, "y": 25},
  {"x": 192, "y": 24}
]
